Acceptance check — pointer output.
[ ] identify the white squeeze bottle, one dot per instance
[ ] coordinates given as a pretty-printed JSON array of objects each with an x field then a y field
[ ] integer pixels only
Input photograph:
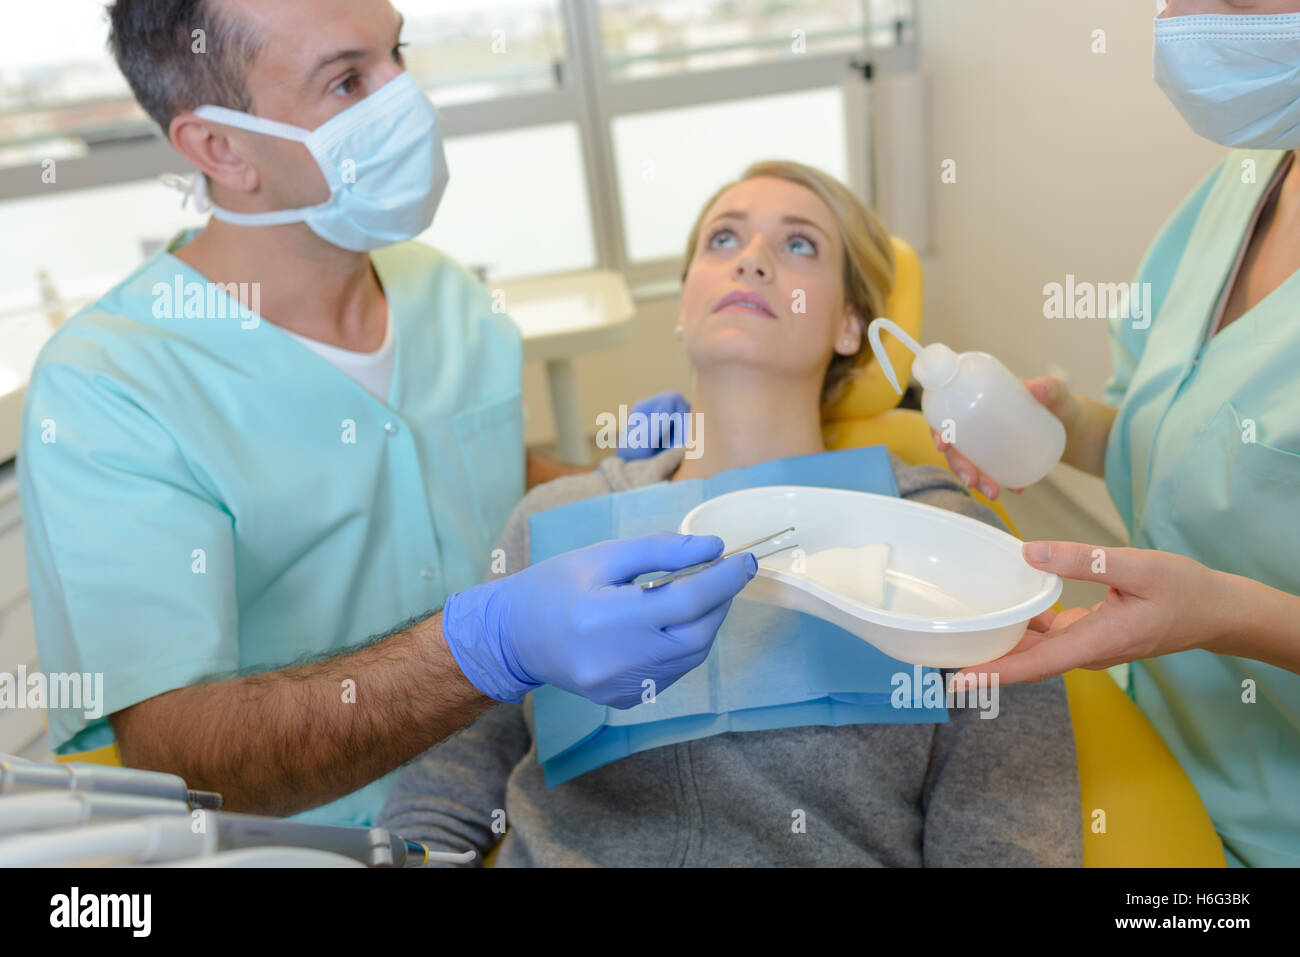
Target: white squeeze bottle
[{"x": 995, "y": 421}]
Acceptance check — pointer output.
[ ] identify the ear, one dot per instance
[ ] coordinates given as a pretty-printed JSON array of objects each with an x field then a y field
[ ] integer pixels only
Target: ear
[
  {"x": 848, "y": 339},
  {"x": 211, "y": 148}
]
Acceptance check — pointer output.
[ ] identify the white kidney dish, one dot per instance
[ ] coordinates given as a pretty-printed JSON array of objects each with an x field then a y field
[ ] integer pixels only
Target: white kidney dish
[{"x": 956, "y": 592}]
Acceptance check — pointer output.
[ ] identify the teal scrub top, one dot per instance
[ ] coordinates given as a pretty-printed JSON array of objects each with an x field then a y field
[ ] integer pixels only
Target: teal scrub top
[
  {"x": 205, "y": 495},
  {"x": 1204, "y": 461}
]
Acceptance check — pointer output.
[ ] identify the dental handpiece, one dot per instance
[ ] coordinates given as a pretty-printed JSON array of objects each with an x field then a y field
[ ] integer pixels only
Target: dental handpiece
[
  {"x": 22, "y": 777},
  {"x": 172, "y": 839},
  {"x": 50, "y": 810}
]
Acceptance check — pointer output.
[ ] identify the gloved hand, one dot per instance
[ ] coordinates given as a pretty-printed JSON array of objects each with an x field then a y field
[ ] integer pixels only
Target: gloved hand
[
  {"x": 573, "y": 621},
  {"x": 664, "y": 433}
]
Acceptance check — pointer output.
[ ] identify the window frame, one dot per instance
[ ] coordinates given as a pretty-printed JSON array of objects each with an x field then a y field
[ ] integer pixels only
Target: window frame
[{"x": 587, "y": 96}]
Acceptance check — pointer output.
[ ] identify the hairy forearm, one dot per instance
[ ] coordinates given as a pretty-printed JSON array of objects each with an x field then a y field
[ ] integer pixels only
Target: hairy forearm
[
  {"x": 1088, "y": 434},
  {"x": 541, "y": 469},
  {"x": 1258, "y": 622},
  {"x": 284, "y": 741}
]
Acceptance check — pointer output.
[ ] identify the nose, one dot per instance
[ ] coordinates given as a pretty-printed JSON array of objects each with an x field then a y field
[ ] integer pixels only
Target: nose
[{"x": 755, "y": 260}]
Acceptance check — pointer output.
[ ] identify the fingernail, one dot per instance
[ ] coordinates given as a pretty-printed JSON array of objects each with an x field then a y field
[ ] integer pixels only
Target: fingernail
[
  {"x": 967, "y": 478},
  {"x": 1037, "y": 552},
  {"x": 989, "y": 490}
]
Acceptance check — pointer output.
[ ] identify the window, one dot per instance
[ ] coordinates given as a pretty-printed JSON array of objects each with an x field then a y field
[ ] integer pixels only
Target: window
[
  {"x": 646, "y": 38},
  {"x": 579, "y": 132},
  {"x": 466, "y": 51},
  {"x": 671, "y": 161}
]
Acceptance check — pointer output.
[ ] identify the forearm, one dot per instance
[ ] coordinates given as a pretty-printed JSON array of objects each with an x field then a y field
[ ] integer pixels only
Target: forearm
[
  {"x": 285, "y": 741},
  {"x": 1088, "y": 434},
  {"x": 1258, "y": 622},
  {"x": 540, "y": 469}
]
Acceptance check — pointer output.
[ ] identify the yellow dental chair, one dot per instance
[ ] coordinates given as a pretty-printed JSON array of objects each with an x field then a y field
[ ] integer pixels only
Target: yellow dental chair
[{"x": 1139, "y": 807}]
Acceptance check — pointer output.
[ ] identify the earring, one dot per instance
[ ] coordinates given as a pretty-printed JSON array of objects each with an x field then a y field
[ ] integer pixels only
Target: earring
[{"x": 680, "y": 333}]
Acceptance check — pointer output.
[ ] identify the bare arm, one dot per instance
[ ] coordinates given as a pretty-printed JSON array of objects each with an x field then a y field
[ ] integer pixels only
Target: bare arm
[
  {"x": 284, "y": 741},
  {"x": 1262, "y": 623},
  {"x": 1086, "y": 438}
]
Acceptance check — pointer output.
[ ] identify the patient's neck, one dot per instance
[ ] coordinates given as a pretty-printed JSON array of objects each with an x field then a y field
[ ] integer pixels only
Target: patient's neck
[{"x": 748, "y": 417}]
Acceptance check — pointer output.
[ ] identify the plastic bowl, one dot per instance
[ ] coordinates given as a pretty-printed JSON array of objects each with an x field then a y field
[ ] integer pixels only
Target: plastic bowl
[{"x": 957, "y": 591}]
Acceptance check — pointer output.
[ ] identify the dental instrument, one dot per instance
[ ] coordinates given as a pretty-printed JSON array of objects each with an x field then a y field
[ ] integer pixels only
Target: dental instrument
[
  {"x": 692, "y": 569},
  {"x": 48, "y": 810},
  {"x": 171, "y": 838},
  {"x": 21, "y": 777}
]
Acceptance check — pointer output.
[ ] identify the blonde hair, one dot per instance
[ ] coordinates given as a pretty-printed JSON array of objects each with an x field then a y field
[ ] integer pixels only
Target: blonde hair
[{"x": 868, "y": 252}]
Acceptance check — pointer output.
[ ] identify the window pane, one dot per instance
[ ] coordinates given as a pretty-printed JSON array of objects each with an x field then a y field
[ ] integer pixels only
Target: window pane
[
  {"x": 645, "y": 38},
  {"x": 61, "y": 89},
  {"x": 467, "y": 50},
  {"x": 57, "y": 77},
  {"x": 517, "y": 203},
  {"x": 89, "y": 239},
  {"x": 671, "y": 161}
]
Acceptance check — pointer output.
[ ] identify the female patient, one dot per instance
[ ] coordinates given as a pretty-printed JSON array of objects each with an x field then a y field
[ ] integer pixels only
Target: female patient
[{"x": 781, "y": 270}]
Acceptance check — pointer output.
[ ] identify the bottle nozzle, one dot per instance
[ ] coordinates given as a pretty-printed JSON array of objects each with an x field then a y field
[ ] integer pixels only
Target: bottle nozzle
[{"x": 873, "y": 336}]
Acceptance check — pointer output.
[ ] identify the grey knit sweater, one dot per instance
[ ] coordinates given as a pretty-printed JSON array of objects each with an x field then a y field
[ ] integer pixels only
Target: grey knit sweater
[{"x": 971, "y": 791}]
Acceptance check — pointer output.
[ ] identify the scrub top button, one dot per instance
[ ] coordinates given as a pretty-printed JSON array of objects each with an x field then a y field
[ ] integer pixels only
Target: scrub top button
[
  {"x": 427, "y": 572},
  {"x": 391, "y": 428}
]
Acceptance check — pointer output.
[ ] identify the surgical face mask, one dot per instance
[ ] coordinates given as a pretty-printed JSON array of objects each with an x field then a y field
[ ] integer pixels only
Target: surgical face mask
[
  {"x": 1235, "y": 79},
  {"x": 382, "y": 158}
]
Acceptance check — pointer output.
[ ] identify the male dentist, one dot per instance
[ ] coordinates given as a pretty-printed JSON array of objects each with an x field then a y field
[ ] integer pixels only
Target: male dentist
[{"x": 294, "y": 430}]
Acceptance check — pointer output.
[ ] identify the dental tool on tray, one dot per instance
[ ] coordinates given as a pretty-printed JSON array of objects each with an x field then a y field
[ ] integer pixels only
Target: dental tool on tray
[{"x": 692, "y": 569}]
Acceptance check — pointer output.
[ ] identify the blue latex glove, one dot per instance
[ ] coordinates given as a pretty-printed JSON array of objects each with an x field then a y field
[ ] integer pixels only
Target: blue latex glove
[
  {"x": 575, "y": 622},
  {"x": 664, "y": 402}
]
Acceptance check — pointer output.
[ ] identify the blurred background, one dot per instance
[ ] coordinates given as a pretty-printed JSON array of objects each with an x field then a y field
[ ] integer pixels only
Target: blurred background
[{"x": 583, "y": 136}]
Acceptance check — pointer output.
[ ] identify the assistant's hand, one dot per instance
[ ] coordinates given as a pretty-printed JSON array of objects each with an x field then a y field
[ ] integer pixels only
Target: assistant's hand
[
  {"x": 1051, "y": 393},
  {"x": 664, "y": 428},
  {"x": 1156, "y": 603},
  {"x": 575, "y": 622}
]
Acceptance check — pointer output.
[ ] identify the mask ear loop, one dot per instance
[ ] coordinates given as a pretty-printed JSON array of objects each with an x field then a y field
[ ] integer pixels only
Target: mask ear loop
[
  {"x": 193, "y": 187},
  {"x": 873, "y": 336}
]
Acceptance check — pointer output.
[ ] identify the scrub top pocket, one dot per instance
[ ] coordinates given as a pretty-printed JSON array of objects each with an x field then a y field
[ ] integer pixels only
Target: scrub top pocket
[
  {"x": 1238, "y": 503},
  {"x": 491, "y": 441}
]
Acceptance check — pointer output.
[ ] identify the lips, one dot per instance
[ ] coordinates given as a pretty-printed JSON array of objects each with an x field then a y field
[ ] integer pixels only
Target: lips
[{"x": 746, "y": 301}]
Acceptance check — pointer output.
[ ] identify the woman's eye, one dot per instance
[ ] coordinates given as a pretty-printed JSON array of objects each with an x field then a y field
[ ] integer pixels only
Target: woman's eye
[
  {"x": 802, "y": 245},
  {"x": 347, "y": 86},
  {"x": 722, "y": 237},
  {"x": 397, "y": 52}
]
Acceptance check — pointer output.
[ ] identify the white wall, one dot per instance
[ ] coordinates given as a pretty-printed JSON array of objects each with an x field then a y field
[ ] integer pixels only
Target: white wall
[{"x": 1068, "y": 161}]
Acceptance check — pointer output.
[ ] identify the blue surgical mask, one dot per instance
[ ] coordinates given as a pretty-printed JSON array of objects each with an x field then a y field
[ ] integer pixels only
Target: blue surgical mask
[
  {"x": 1234, "y": 78},
  {"x": 382, "y": 158}
]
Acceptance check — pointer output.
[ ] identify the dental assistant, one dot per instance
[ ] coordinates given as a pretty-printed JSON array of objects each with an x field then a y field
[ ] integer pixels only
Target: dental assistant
[
  {"x": 1199, "y": 443},
  {"x": 224, "y": 503}
]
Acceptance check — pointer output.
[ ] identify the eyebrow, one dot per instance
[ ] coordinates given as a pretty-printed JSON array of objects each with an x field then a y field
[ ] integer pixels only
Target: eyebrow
[
  {"x": 331, "y": 58},
  {"x": 788, "y": 220}
]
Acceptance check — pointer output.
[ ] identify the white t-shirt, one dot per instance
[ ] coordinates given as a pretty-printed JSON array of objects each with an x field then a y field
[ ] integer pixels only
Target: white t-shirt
[{"x": 373, "y": 370}]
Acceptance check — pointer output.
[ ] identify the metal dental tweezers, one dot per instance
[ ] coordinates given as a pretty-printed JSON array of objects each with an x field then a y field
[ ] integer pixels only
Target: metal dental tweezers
[{"x": 692, "y": 569}]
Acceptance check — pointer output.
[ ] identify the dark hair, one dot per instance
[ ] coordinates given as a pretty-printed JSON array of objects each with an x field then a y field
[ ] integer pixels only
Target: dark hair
[{"x": 154, "y": 44}]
